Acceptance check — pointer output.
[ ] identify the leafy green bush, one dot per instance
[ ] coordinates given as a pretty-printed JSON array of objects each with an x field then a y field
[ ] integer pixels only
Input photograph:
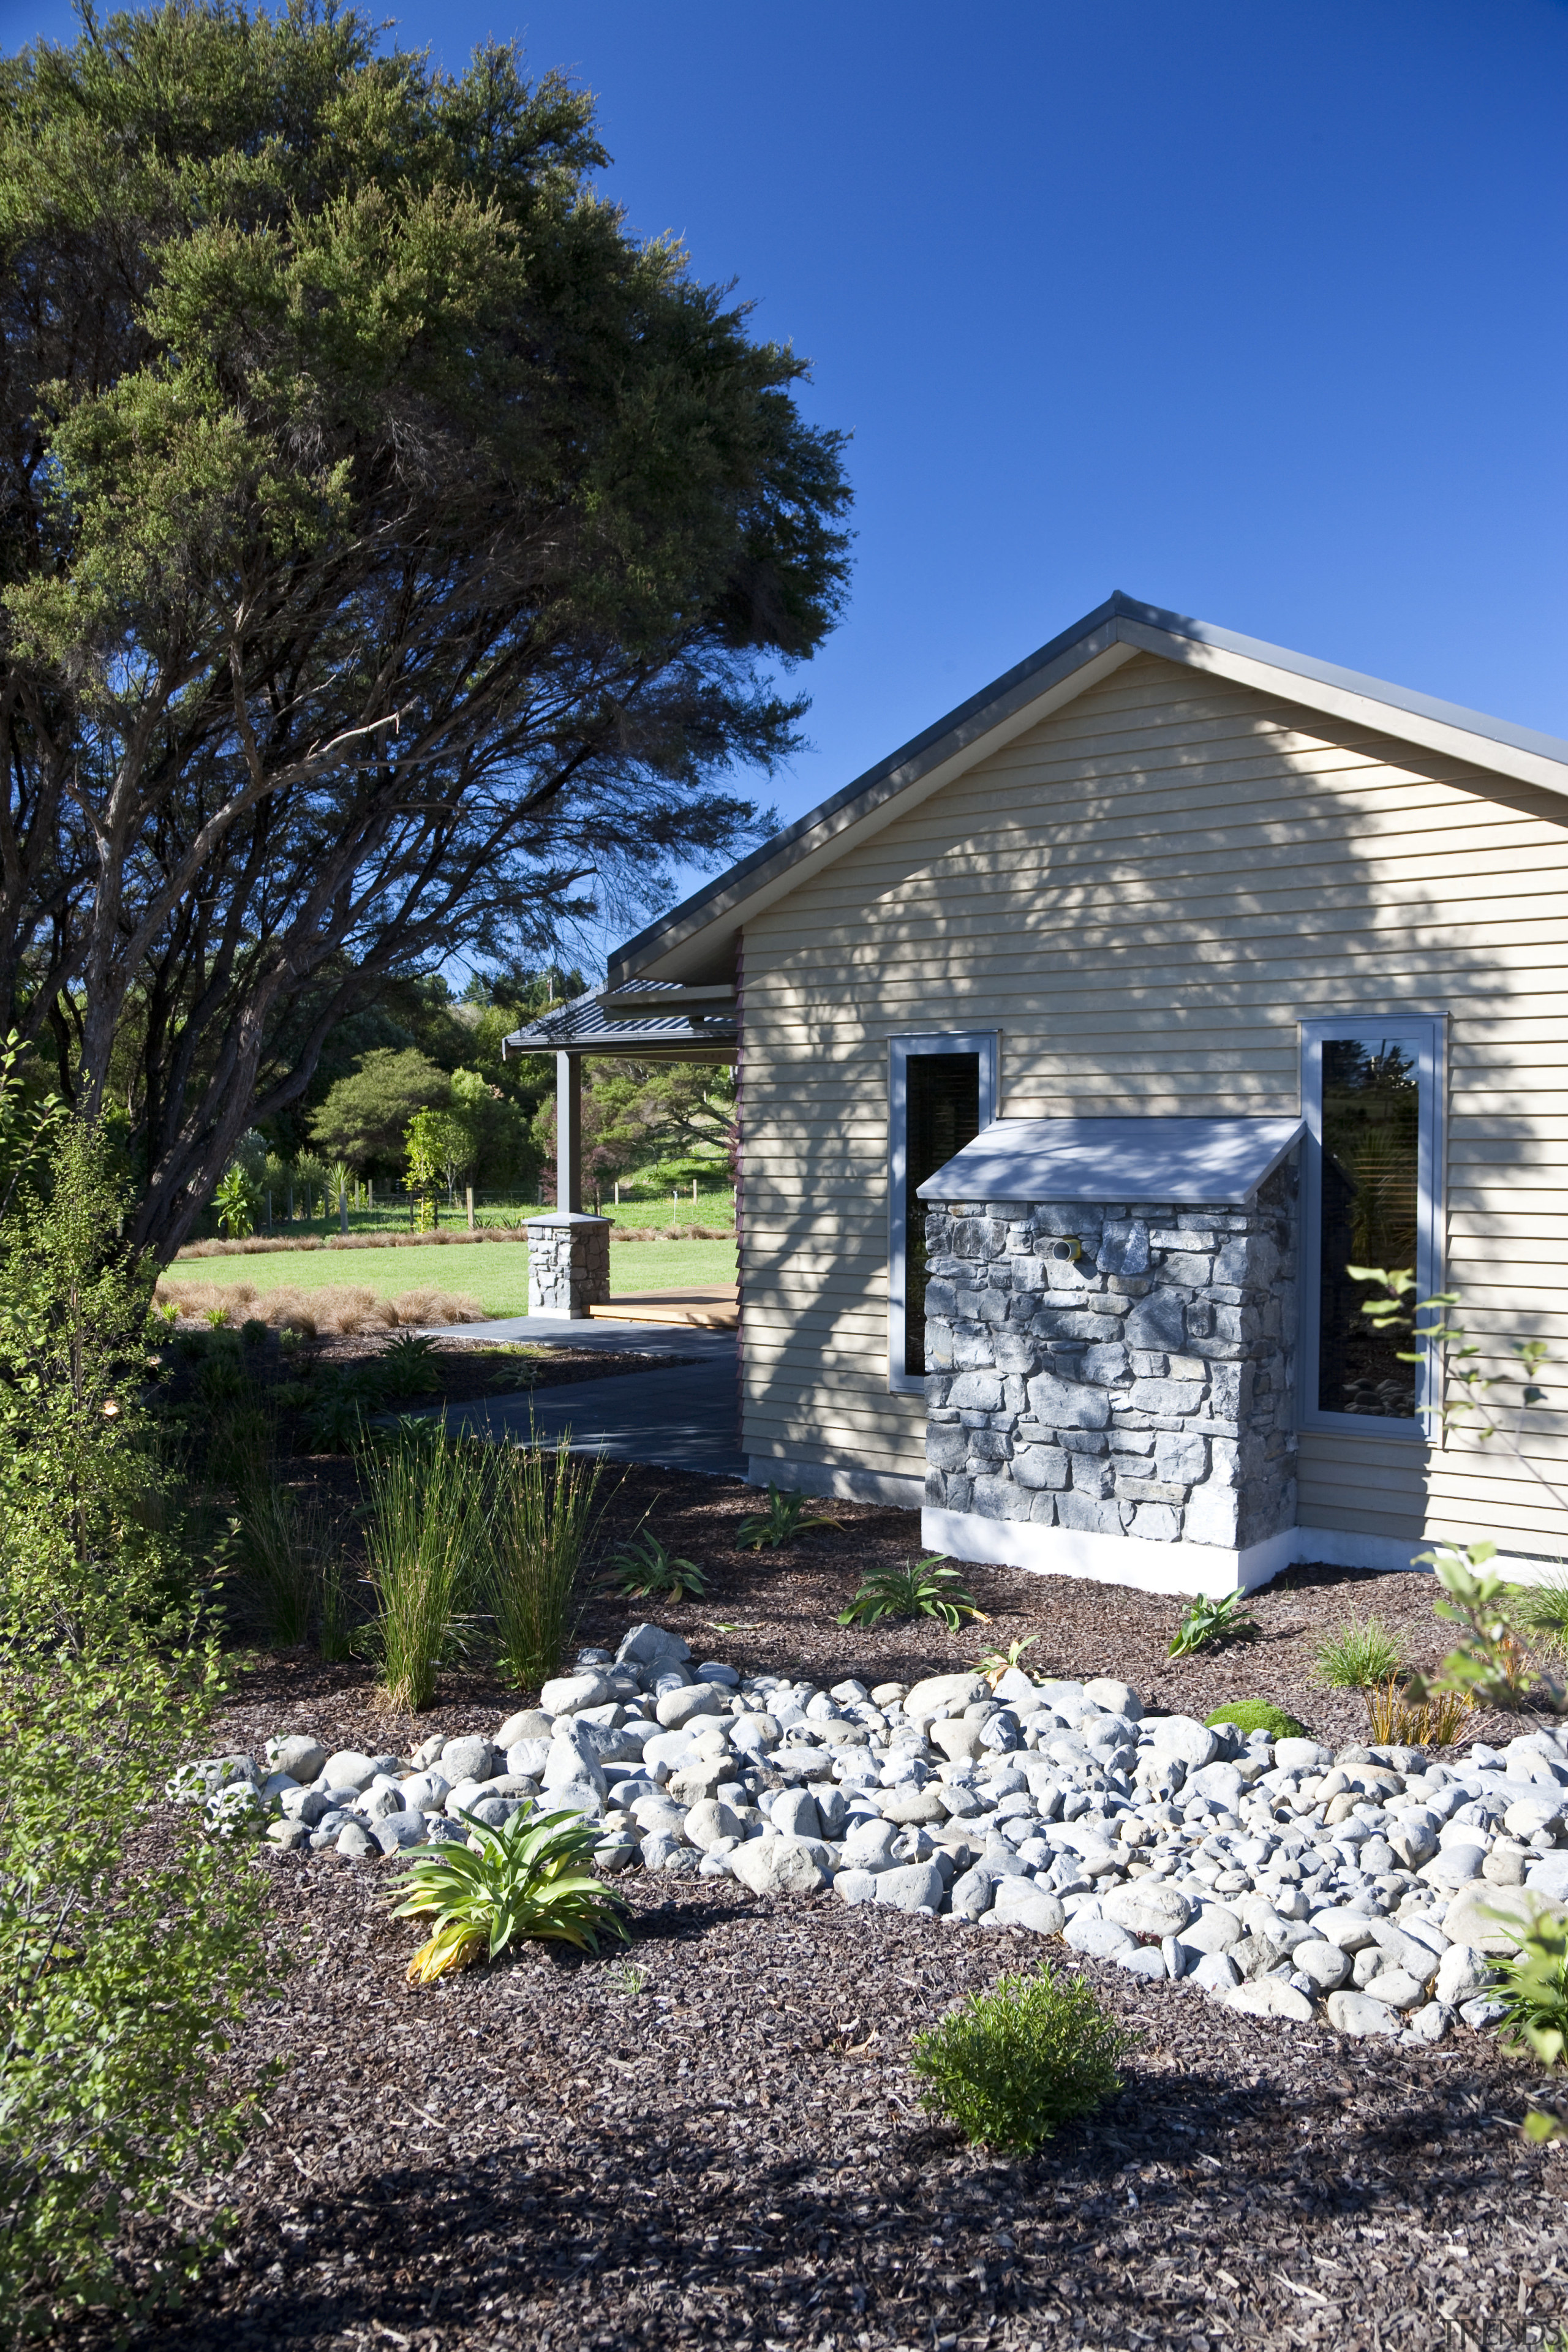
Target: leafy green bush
[
  {"x": 1357, "y": 1655},
  {"x": 522, "y": 1880},
  {"x": 924, "y": 1588},
  {"x": 409, "y": 1366},
  {"x": 542, "y": 1508},
  {"x": 1532, "y": 1984},
  {"x": 1010, "y": 2065},
  {"x": 1205, "y": 1624},
  {"x": 786, "y": 1518},
  {"x": 1257, "y": 1715},
  {"x": 128, "y": 1944}
]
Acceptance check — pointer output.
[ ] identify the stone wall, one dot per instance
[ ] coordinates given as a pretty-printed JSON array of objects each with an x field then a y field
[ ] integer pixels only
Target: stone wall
[
  {"x": 568, "y": 1264},
  {"x": 1118, "y": 1369}
]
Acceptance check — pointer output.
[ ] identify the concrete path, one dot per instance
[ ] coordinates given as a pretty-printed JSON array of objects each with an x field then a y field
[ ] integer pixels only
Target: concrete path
[{"x": 684, "y": 1417}]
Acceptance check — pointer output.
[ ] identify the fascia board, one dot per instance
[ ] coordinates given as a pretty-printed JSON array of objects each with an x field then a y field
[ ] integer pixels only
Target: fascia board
[
  {"x": 842, "y": 826},
  {"x": 1316, "y": 691}
]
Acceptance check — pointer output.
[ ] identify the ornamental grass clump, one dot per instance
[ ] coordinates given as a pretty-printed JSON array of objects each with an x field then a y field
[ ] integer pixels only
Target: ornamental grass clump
[
  {"x": 524, "y": 1881},
  {"x": 1357, "y": 1655},
  {"x": 426, "y": 1533},
  {"x": 544, "y": 1506},
  {"x": 1010, "y": 2065}
]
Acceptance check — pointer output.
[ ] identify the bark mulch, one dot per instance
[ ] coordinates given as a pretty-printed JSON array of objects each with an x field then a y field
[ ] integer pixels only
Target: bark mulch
[
  {"x": 470, "y": 1371},
  {"x": 715, "y": 2138}
]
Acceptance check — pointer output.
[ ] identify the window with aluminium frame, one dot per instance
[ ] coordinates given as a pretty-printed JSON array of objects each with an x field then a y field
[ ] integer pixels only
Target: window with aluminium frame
[
  {"x": 942, "y": 1088},
  {"x": 1371, "y": 1096}
]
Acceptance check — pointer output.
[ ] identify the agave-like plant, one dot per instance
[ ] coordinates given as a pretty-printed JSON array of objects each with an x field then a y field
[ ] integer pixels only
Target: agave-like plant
[
  {"x": 1207, "y": 1621},
  {"x": 646, "y": 1569},
  {"x": 524, "y": 1880},
  {"x": 786, "y": 1518}
]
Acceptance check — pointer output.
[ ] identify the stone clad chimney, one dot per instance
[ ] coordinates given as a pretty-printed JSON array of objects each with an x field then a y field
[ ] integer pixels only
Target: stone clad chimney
[{"x": 1110, "y": 1385}]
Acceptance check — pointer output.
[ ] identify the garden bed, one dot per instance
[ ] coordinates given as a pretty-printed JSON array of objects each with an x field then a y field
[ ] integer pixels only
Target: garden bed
[{"x": 715, "y": 2140}]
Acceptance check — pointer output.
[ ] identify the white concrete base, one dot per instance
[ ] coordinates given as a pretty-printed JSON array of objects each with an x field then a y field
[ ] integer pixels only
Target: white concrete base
[
  {"x": 1181, "y": 1567},
  {"x": 829, "y": 1478}
]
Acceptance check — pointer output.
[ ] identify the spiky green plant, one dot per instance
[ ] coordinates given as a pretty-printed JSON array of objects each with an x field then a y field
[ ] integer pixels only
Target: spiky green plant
[
  {"x": 922, "y": 1589},
  {"x": 523, "y": 1881},
  {"x": 1357, "y": 1655},
  {"x": 1206, "y": 1623},
  {"x": 645, "y": 1569},
  {"x": 994, "y": 1664},
  {"x": 786, "y": 1518},
  {"x": 409, "y": 1365}
]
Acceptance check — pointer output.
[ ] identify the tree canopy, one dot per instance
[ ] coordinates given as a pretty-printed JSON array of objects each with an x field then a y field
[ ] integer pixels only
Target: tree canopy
[{"x": 396, "y": 555}]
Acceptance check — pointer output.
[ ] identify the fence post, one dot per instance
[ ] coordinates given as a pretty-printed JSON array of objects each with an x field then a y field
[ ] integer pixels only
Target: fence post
[
  {"x": 468, "y": 1198},
  {"x": 269, "y": 1213},
  {"x": 343, "y": 1208}
]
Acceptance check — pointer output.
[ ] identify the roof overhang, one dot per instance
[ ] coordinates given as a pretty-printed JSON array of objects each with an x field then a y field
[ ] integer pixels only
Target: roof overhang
[
  {"x": 1213, "y": 1162},
  {"x": 697, "y": 941},
  {"x": 656, "y": 1022}
]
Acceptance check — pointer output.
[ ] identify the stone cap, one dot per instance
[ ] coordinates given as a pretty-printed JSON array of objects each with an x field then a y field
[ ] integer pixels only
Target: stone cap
[
  {"x": 1176, "y": 1159},
  {"x": 568, "y": 1217}
]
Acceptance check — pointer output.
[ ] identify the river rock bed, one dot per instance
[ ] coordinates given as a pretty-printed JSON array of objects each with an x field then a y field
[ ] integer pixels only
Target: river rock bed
[{"x": 1360, "y": 1888}]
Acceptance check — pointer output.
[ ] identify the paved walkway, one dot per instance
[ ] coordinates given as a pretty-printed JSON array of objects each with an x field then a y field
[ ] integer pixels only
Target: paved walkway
[{"x": 684, "y": 1417}]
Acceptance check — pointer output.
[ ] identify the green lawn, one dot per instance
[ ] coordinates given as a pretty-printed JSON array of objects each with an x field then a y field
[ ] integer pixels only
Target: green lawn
[{"x": 495, "y": 1273}]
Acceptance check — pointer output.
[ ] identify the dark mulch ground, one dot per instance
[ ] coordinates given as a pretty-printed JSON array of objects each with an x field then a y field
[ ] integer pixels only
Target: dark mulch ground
[{"x": 715, "y": 2139}]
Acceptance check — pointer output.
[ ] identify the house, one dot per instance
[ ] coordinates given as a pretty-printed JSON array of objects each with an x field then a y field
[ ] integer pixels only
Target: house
[{"x": 1084, "y": 1044}]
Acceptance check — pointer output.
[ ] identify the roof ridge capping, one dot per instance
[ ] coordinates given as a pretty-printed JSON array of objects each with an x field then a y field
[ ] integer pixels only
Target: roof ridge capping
[{"x": 1095, "y": 645}]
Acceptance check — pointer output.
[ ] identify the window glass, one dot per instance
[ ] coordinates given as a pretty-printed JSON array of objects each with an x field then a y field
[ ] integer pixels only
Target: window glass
[
  {"x": 1370, "y": 1216},
  {"x": 942, "y": 1116}
]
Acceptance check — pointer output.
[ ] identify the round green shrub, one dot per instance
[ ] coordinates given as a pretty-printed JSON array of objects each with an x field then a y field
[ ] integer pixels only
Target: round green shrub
[
  {"x": 1257, "y": 1715},
  {"x": 1010, "y": 2064}
]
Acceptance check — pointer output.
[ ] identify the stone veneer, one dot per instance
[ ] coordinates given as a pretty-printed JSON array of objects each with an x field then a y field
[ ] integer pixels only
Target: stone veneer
[
  {"x": 568, "y": 1262},
  {"x": 1143, "y": 1388}
]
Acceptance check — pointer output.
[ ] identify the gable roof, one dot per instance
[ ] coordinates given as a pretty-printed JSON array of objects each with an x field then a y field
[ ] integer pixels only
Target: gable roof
[{"x": 696, "y": 940}]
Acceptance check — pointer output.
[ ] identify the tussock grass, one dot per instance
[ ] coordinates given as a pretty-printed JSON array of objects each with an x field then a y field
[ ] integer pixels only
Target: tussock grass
[
  {"x": 336, "y": 1307},
  {"x": 544, "y": 1508},
  {"x": 426, "y": 1541}
]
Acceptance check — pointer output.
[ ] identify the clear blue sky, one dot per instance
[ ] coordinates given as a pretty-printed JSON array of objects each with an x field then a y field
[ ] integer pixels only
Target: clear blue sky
[{"x": 1256, "y": 311}]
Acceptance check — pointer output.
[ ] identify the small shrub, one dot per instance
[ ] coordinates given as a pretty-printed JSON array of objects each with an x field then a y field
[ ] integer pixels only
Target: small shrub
[
  {"x": 338, "y": 1422},
  {"x": 645, "y": 1569},
  {"x": 1208, "y": 1625},
  {"x": 409, "y": 1365},
  {"x": 523, "y": 1881},
  {"x": 786, "y": 1518},
  {"x": 1357, "y": 1654},
  {"x": 1257, "y": 1715},
  {"x": 542, "y": 1508},
  {"x": 1010, "y": 2065},
  {"x": 252, "y": 1331},
  {"x": 923, "y": 1589},
  {"x": 216, "y": 1316}
]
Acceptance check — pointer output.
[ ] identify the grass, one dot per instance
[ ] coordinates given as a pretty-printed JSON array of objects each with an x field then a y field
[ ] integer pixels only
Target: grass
[
  {"x": 541, "y": 1510},
  {"x": 495, "y": 1274},
  {"x": 1542, "y": 1610},
  {"x": 425, "y": 1533},
  {"x": 1357, "y": 1655},
  {"x": 1010, "y": 2065}
]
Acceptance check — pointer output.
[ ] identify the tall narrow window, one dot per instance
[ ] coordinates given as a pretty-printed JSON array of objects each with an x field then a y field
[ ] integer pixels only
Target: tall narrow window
[
  {"x": 1370, "y": 1097},
  {"x": 941, "y": 1092}
]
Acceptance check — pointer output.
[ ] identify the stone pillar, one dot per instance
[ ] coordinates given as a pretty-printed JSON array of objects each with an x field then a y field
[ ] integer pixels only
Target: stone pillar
[
  {"x": 568, "y": 1133},
  {"x": 1121, "y": 1370},
  {"x": 568, "y": 1262}
]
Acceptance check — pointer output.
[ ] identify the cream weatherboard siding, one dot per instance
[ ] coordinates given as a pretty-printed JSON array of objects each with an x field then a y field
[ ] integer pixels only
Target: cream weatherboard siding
[{"x": 1144, "y": 894}]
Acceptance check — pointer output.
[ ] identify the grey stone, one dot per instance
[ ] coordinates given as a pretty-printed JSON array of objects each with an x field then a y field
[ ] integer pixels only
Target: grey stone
[
  {"x": 1148, "y": 1908},
  {"x": 651, "y": 1645},
  {"x": 710, "y": 1823},
  {"x": 1327, "y": 1967},
  {"x": 1098, "y": 1939},
  {"x": 471, "y": 1758},
  {"x": 568, "y": 1693},
  {"x": 1215, "y": 1973},
  {"x": 1023, "y": 1903},
  {"x": 795, "y": 1814},
  {"x": 678, "y": 1707},
  {"x": 288, "y": 1834},
  {"x": 1182, "y": 1735},
  {"x": 1068, "y": 1404},
  {"x": 1271, "y": 1997},
  {"x": 396, "y": 1832},
  {"x": 1362, "y": 2017},
  {"x": 855, "y": 1887},
  {"x": 1462, "y": 1974},
  {"x": 355, "y": 1844},
  {"x": 915, "y": 1887},
  {"x": 297, "y": 1754},
  {"x": 973, "y": 1893},
  {"x": 529, "y": 1723},
  {"x": 779, "y": 1865},
  {"x": 349, "y": 1770}
]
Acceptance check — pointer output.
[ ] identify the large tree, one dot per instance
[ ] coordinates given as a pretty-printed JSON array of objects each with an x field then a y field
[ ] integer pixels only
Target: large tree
[{"x": 395, "y": 555}]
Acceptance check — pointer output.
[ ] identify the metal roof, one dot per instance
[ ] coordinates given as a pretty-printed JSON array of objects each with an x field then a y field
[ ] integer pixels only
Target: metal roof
[
  {"x": 584, "y": 1026},
  {"x": 696, "y": 934},
  {"x": 1217, "y": 1160}
]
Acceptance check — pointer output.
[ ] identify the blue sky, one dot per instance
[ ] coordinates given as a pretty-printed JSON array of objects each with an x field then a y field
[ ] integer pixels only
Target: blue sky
[{"x": 1255, "y": 312}]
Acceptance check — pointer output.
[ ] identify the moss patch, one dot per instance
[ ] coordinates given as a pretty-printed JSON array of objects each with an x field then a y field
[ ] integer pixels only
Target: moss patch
[{"x": 1257, "y": 1715}]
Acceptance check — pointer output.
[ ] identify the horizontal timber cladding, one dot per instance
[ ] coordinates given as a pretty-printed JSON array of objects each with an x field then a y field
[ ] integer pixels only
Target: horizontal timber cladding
[{"x": 1144, "y": 894}]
